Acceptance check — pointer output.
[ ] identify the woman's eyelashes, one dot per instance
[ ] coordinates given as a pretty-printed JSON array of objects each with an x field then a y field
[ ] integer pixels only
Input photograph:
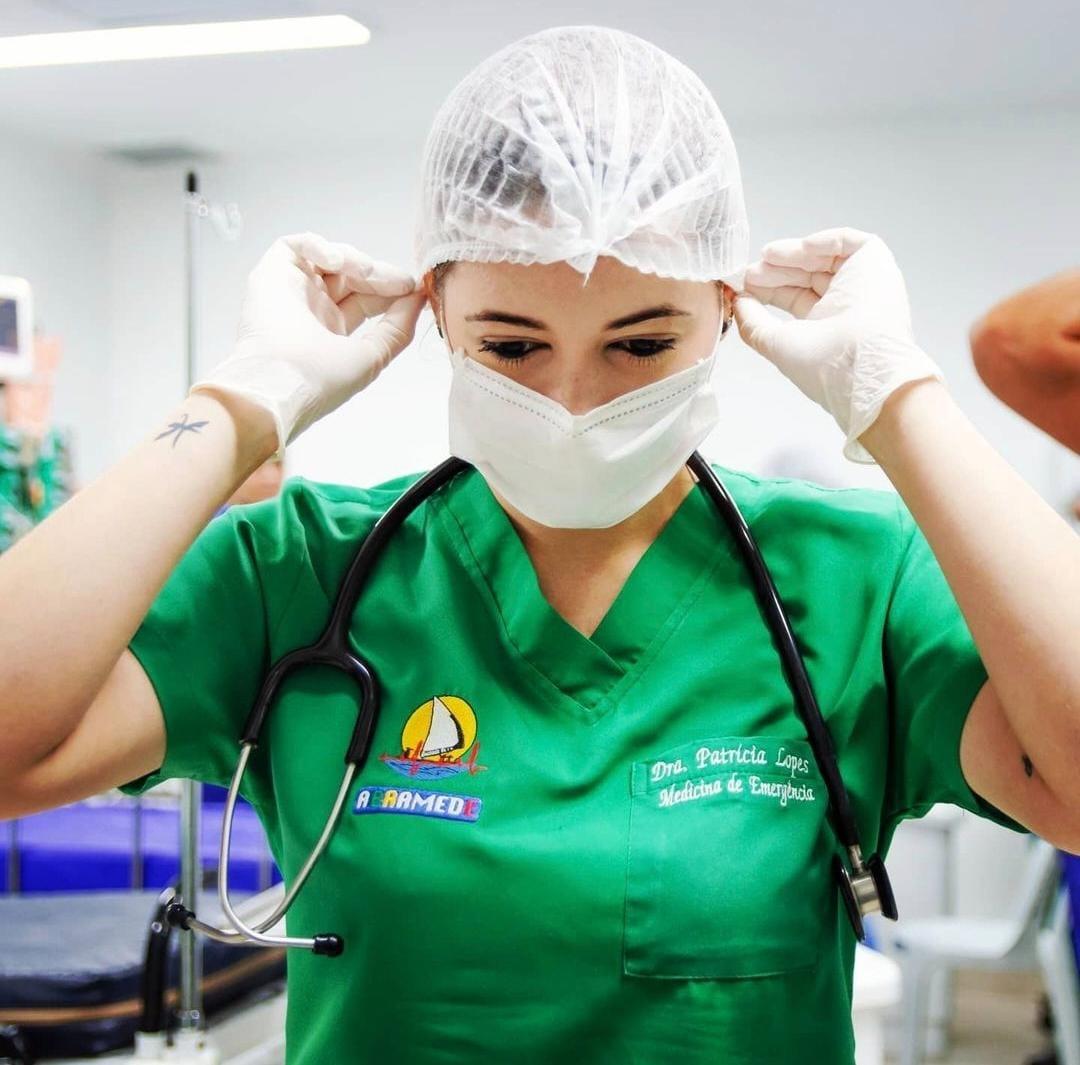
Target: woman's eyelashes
[{"x": 639, "y": 349}]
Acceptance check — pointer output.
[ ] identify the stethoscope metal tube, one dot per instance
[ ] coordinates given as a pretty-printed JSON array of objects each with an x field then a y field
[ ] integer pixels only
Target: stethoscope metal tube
[
  {"x": 323, "y": 944},
  {"x": 864, "y": 890}
]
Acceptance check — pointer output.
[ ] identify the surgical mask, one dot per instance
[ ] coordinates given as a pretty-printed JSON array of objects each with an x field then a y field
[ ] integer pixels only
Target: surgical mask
[{"x": 578, "y": 471}]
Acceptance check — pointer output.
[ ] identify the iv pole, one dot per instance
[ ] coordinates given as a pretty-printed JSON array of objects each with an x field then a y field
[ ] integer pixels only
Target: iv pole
[{"x": 190, "y": 1019}]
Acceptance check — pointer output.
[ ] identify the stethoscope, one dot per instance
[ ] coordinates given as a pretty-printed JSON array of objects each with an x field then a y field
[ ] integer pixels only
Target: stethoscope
[{"x": 864, "y": 889}]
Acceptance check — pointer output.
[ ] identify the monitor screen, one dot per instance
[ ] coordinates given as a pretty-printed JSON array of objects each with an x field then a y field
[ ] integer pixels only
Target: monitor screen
[{"x": 9, "y": 326}]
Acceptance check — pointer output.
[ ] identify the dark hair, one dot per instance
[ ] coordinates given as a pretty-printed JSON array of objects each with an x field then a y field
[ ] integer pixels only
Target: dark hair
[
  {"x": 438, "y": 275},
  {"x": 433, "y": 281}
]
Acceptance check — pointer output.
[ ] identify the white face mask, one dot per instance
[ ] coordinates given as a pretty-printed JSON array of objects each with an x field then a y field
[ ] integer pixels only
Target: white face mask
[{"x": 578, "y": 471}]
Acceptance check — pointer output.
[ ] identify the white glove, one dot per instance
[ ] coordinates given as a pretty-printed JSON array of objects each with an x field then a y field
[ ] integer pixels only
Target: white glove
[
  {"x": 851, "y": 344},
  {"x": 296, "y": 353}
]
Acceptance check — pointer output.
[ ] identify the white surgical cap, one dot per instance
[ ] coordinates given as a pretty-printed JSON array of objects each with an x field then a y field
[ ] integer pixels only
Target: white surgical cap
[{"x": 581, "y": 141}]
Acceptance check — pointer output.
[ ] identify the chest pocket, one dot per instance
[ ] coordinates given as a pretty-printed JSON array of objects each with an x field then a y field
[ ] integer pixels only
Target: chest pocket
[{"x": 728, "y": 868}]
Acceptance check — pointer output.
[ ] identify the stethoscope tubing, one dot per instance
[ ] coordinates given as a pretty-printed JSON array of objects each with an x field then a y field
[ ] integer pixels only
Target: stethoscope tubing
[
  {"x": 332, "y": 649},
  {"x": 786, "y": 645}
]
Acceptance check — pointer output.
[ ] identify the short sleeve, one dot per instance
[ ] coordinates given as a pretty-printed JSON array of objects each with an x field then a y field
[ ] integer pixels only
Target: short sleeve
[
  {"x": 204, "y": 643},
  {"x": 933, "y": 671}
]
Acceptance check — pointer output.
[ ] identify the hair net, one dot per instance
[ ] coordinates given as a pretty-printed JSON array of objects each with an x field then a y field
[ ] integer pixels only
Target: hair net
[{"x": 581, "y": 141}]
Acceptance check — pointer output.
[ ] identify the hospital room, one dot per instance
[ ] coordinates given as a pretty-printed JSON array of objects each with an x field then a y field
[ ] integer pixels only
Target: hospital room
[{"x": 539, "y": 533}]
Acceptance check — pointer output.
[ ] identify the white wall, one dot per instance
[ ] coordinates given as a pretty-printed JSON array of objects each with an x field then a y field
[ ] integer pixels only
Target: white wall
[
  {"x": 54, "y": 231},
  {"x": 972, "y": 208}
]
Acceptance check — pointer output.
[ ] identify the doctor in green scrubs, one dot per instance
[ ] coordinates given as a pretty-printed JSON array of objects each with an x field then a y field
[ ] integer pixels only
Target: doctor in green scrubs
[
  {"x": 591, "y": 827},
  {"x": 627, "y": 857}
]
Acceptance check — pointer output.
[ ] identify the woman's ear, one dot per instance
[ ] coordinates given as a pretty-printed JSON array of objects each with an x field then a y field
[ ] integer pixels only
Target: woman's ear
[
  {"x": 727, "y": 306},
  {"x": 428, "y": 281}
]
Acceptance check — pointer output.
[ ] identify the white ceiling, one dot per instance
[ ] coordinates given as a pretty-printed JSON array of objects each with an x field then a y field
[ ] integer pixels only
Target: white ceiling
[{"x": 766, "y": 62}]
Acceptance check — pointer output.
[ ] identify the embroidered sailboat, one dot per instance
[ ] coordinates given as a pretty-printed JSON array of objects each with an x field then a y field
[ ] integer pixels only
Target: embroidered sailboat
[
  {"x": 444, "y": 732},
  {"x": 429, "y": 754}
]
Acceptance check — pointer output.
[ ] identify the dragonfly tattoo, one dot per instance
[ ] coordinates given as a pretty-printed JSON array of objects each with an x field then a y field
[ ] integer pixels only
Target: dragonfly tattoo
[{"x": 181, "y": 427}]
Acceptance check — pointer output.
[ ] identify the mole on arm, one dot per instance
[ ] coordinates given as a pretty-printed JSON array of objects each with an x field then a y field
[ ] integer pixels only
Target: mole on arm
[{"x": 1028, "y": 767}]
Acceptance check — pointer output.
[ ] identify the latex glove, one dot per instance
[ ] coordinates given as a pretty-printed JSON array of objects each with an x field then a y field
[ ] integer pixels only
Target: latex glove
[
  {"x": 850, "y": 343},
  {"x": 297, "y": 352}
]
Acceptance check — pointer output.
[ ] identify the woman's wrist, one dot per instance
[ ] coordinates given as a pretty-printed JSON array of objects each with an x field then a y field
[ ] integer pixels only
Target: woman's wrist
[
  {"x": 899, "y": 414},
  {"x": 256, "y": 438}
]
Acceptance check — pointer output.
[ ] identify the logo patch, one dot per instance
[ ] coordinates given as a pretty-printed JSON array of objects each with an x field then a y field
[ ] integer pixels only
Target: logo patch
[
  {"x": 378, "y": 800},
  {"x": 435, "y": 739}
]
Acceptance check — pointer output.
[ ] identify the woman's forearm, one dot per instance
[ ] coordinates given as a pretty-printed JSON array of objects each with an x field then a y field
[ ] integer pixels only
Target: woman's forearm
[
  {"x": 76, "y": 587},
  {"x": 1011, "y": 561}
]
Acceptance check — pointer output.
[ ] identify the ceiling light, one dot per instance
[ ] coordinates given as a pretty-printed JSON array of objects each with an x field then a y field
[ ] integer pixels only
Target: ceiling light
[{"x": 166, "y": 42}]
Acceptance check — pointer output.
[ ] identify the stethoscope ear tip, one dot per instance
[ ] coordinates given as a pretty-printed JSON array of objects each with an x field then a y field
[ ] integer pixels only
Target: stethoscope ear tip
[
  {"x": 328, "y": 945},
  {"x": 178, "y": 915}
]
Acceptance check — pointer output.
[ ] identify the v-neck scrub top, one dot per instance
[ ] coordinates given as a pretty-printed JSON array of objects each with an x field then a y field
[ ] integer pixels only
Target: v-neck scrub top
[{"x": 605, "y": 849}]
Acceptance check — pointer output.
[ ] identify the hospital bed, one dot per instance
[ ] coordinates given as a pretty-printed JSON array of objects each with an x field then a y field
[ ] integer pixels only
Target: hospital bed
[{"x": 87, "y": 965}]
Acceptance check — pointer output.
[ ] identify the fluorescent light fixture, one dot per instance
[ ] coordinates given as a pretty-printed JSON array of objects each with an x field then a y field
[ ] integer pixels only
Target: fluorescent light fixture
[{"x": 167, "y": 42}]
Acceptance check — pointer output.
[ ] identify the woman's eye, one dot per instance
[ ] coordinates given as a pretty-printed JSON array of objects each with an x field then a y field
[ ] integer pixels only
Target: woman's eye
[
  {"x": 639, "y": 349},
  {"x": 651, "y": 348},
  {"x": 507, "y": 350}
]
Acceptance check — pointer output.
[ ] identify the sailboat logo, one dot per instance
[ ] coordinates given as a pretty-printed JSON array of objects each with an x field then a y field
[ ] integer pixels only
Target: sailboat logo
[{"x": 436, "y": 738}]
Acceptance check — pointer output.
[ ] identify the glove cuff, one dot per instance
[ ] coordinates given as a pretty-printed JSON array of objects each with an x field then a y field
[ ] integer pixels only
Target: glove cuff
[
  {"x": 273, "y": 384},
  {"x": 882, "y": 364}
]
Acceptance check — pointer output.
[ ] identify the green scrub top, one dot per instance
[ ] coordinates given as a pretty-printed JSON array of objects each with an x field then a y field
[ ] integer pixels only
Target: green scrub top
[{"x": 607, "y": 849}]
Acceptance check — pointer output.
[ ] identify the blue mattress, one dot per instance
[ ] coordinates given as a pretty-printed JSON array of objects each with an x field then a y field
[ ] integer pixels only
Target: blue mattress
[{"x": 91, "y": 848}]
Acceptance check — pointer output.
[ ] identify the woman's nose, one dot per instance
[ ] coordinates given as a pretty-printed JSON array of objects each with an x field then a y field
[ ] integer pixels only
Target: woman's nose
[
  {"x": 578, "y": 399},
  {"x": 579, "y": 386}
]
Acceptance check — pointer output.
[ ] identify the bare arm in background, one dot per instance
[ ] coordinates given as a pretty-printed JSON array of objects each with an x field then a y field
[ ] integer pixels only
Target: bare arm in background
[
  {"x": 1027, "y": 351},
  {"x": 77, "y": 712}
]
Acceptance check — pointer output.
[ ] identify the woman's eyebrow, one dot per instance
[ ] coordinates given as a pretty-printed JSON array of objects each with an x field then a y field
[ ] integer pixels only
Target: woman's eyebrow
[{"x": 663, "y": 310}]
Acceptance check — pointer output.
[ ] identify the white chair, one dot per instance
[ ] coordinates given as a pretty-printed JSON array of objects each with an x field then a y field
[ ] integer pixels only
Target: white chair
[
  {"x": 927, "y": 944},
  {"x": 1057, "y": 959},
  {"x": 875, "y": 991}
]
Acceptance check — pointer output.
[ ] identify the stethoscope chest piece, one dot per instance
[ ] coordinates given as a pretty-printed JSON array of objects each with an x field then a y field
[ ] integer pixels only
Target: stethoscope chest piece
[{"x": 868, "y": 891}]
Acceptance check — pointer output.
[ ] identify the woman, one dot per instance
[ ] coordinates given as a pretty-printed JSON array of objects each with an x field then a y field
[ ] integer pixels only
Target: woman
[{"x": 591, "y": 827}]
